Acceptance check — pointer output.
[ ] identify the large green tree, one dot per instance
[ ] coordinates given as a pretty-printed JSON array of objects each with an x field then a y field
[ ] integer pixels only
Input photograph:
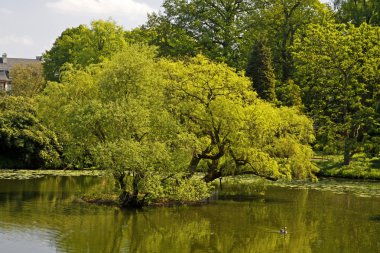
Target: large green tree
[
  {"x": 215, "y": 28},
  {"x": 230, "y": 130},
  {"x": 82, "y": 46},
  {"x": 337, "y": 69},
  {"x": 358, "y": 11},
  {"x": 112, "y": 116},
  {"x": 280, "y": 20},
  {"x": 24, "y": 141},
  {"x": 225, "y": 30}
]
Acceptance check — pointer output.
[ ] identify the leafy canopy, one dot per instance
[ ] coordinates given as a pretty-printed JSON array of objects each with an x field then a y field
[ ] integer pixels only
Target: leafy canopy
[
  {"x": 27, "y": 79},
  {"x": 337, "y": 69},
  {"x": 229, "y": 129},
  {"x": 82, "y": 46},
  {"x": 112, "y": 116},
  {"x": 24, "y": 140}
]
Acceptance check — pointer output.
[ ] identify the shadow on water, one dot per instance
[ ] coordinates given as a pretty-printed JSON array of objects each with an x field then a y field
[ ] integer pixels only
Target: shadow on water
[
  {"x": 375, "y": 218},
  {"x": 254, "y": 198},
  {"x": 240, "y": 198}
]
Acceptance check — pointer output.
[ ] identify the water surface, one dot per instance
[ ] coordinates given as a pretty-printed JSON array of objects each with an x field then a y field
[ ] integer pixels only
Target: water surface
[{"x": 44, "y": 215}]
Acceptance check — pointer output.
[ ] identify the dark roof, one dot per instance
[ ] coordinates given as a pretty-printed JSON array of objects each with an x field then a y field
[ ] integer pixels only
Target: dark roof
[{"x": 14, "y": 61}]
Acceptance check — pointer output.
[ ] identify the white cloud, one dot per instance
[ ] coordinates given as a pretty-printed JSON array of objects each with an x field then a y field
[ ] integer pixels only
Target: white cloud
[
  {"x": 16, "y": 40},
  {"x": 109, "y": 7},
  {"x": 5, "y": 11}
]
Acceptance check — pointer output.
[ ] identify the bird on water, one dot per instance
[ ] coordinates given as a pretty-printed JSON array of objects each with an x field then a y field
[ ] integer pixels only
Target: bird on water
[{"x": 283, "y": 230}]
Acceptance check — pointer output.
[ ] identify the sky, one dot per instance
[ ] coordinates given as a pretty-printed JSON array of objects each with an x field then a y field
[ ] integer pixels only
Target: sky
[{"x": 30, "y": 27}]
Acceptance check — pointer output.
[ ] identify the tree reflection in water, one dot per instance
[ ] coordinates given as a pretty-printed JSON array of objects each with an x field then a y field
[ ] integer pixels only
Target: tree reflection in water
[{"x": 317, "y": 221}]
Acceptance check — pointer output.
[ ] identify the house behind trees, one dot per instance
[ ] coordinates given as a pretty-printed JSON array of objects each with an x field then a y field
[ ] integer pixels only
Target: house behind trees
[{"x": 5, "y": 67}]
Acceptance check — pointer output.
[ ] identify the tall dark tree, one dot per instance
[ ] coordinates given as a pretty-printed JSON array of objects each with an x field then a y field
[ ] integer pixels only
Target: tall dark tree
[
  {"x": 358, "y": 11},
  {"x": 281, "y": 20},
  {"x": 224, "y": 30},
  {"x": 338, "y": 73},
  {"x": 260, "y": 70},
  {"x": 215, "y": 28}
]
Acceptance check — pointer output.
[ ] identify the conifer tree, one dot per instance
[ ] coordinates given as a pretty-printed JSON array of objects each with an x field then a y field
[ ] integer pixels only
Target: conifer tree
[{"x": 260, "y": 70}]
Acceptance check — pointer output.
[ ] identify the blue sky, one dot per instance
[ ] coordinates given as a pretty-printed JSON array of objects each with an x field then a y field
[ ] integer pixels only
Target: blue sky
[{"x": 29, "y": 27}]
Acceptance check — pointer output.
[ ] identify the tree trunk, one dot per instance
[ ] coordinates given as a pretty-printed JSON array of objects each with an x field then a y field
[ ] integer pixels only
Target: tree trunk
[
  {"x": 213, "y": 172},
  {"x": 193, "y": 165},
  {"x": 347, "y": 153},
  {"x": 119, "y": 177},
  {"x": 131, "y": 200}
]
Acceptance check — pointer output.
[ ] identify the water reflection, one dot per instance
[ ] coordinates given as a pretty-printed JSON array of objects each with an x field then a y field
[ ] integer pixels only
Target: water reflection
[{"x": 44, "y": 215}]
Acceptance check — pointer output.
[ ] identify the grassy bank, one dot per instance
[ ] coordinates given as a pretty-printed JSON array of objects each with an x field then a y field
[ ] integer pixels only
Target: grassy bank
[
  {"x": 361, "y": 167},
  {"x": 249, "y": 186}
]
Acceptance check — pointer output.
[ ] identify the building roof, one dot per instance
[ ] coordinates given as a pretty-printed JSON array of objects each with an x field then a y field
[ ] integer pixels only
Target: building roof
[{"x": 14, "y": 61}]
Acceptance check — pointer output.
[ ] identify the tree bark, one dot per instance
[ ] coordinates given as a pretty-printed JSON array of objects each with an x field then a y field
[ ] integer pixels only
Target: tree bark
[
  {"x": 213, "y": 172},
  {"x": 193, "y": 165},
  {"x": 347, "y": 153},
  {"x": 127, "y": 199}
]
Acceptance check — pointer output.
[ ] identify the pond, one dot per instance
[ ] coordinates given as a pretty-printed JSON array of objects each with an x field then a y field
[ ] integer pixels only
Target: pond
[{"x": 45, "y": 215}]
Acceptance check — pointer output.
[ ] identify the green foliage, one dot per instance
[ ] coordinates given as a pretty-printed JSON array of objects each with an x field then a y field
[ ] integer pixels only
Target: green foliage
[
  {"x": 361, "y": 167},
  {"x": 289, "y": 94},
  {"x": 357, "y": 12},
  {"x": 27, "y": 79},
  {"x": 241, "y": 186},
  {"x": 338, "y": 73},
  {"x": 112, "y": 115},
  {"x": 229, "y": 130},
  {"x": 187, "y": 190},
  {"x": 82, "y": 46},
  {"x": 214, "y": 28},
  {"x": 280, "y": 21},
  {"x": 261, "y": 71},
  {"x": 171, "y": 39},
  {"x": 23, "y": 138}
]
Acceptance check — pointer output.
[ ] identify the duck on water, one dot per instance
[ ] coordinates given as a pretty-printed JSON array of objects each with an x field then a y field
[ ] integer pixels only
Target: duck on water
[{"x": 283, "y": 230}]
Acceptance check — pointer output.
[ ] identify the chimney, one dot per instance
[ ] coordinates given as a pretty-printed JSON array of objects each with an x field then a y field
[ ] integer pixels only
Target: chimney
[{"x": 5, "y": 60}]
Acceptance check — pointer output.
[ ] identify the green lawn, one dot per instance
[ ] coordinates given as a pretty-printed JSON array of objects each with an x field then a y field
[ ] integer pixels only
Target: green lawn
[{"x": 361, "y": 167}]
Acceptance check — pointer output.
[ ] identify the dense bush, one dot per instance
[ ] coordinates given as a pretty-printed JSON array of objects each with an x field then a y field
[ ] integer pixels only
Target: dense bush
[{"x": 24, "y": 141}]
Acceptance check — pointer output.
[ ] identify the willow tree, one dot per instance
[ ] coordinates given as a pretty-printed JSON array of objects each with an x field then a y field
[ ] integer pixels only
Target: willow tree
[
  {"x": 230, "y": 130},
  {"x": 112, "y": 116},
  {"x": 337, "y": 69}
]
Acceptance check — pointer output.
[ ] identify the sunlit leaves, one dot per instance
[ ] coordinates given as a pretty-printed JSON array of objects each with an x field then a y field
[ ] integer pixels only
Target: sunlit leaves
[
  {"x": 234, "y": 131},
  {"x": 82, "y": 46},
  {"x": 337, "y": 67}
]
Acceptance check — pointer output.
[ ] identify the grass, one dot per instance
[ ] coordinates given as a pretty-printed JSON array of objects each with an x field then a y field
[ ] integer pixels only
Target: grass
[
  {"x": 361, "y": 167},
  {"x": 238, "y": 186}
]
